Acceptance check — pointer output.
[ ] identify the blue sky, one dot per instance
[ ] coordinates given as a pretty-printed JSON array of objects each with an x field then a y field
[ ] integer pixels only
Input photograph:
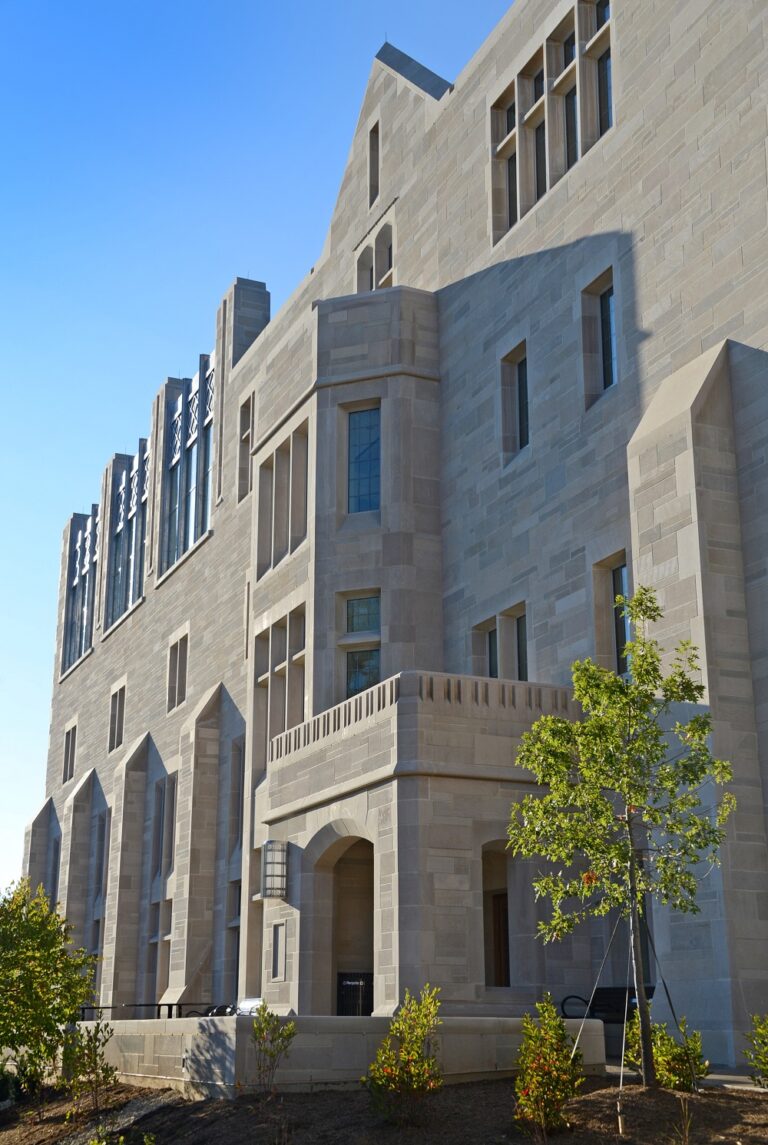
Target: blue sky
[{"x": 151, "y": 152}]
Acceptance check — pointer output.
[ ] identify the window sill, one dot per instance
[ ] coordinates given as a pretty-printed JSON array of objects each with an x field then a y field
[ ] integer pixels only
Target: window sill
[
  {"x": 360, "y": 522},
  {"x": 183, "y": 558},
  {"x": 356, "y": 640},
  {"x": 599, "y": 42},
  {"x": 566, "y": 80},
  {"x": 121, "y": 619},
  {"x": 509, "y": 459},
  {"x": 76, "y": 664},
  {"x": 507, "y": 145}
]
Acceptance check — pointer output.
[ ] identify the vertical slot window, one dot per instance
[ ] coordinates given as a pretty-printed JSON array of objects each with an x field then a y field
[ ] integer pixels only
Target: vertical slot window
[
  {"x": 373, "y": 164},
  {"x": 621, "y": 629},
  {"x": 515, "y": 425},
  {"x": 569, "y": 49},
  {"x": 608, "y": 337},
  {"x": 512, "y": 189},
  {"x": 540, "y": 159},
  {"x": 521, "y": 646},
  {"x": 602, "y": 13},
  {"x": 116, "y": 718},
  {"x": 70, "y": 744},
  {"x": 571, "y": 129},
  {"x": 604, "y": 93},
  {"x": 363, "y": 476},
  {"x": 493, "y": 653},
  {"x": 177, "y": 673}
]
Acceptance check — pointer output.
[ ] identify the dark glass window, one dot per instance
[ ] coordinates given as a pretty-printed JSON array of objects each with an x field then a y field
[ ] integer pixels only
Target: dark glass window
[
  {"x": 364, "y": 460},
  {"x": 521, "y": 634},
  {"x": 538, "y": 85},
  {"x": 541, "y": 160},
  {"x": 364, "y": 614},
  {"x": 621, "y": 623},
  {"x": 608, "y": 337},
  {"x": 604, "y": 92},
  {"x": 511, "y": 117},
  {"x": 512, "y": 189},
  {"x": 569, "y": 49},
  {"x": 602, "y": 12},
  {"x": 571, "y": 130},
  {"x": 362, "y": 670},
  {"x": 522, "y": 403},
  {"x": 493, "y": 653}
]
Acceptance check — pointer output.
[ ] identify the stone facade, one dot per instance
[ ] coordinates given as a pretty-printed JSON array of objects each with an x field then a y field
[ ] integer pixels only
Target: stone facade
[{"x": 545, "y": 283}]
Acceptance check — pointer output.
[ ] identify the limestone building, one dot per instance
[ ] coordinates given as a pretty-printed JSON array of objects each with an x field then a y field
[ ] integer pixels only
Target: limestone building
[{"x": 302, "y": 628}]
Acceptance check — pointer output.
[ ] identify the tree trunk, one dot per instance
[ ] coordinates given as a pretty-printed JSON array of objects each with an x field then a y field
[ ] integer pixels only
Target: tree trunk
[{"x": 643, "y": 1010}]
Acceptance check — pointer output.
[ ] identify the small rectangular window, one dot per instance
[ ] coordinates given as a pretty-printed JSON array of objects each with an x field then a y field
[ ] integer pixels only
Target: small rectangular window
[
  {"x": 363, "y": 614},
  {"x": 116, "y": 718},
  {"x": 521, "y": 646},
  {"x": 620, "y": 587},
  {"x": 512, "y": 189},
  {"x": 569, "y": 49},
  {"x": 511, "y": 117},
  {"x": 608, "y": 337},
  {"x": 541, "y": 159},
  {"x": 600, "y": 337},
  {"x": 177, "y": 673},
  {"x": 363, "y": 670},
  {"x": 70, "y": 742},
  {"x": 604, "y": 92},
  {"x": 602, "y": 12},
  {"x": 363, "y": 483},
  {"x": 278, "y": 951},
  {"x": 515, "y": 430},
  {"x": 538, "y": 85},
  {"x": 571, "y": 130},
  {"x": 373, "y": 164},
  {"x": 244, "y": 462},
  {"x": 493, "y": 653}
]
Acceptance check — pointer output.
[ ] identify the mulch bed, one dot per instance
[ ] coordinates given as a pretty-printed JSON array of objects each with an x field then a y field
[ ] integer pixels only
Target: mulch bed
[{"x": 476, "y": 1112}]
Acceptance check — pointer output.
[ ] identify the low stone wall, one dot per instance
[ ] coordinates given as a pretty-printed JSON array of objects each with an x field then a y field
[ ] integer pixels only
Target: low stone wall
[{"x": 215, "y": 1056}]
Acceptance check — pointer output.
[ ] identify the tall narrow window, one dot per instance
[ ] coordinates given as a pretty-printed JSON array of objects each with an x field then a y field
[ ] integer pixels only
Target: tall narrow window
[
  {"x": 188, "y": 466},
  {"x": 206, "y": 464},
  {"x": 522, "y": 402},
  {"x": 571, "y": 130},
  {"x": 521, "y": 646},
  {"x": 515, "y": 432},
  {"x": 70, "y": 744},
  {"x": 608, "y": 337},
  {"x": 569, "y": 49},
  {"x": 604, "y": 92},
  {"x": 81, "y": 587},
  {"x": 244, "y": 462},
  {"x": 512, "y": 189},
  {"x": 177, "y": 673},
  {"x": 373, "y": 164},
  {"x": 364, "y": 460},
  {"x": 116, "y": 718},
  {"x": 541, "y": 159},
  {"x": 158, "y": 828},
  {"x": 361, "y": 643},
  {"x": 493, "y": 653},
  {"x": 510, "y": 117},
  {"x": 602, "y": 12},
  {"x": 620, "y": 586},
  {"x": 538, "y": 85}
]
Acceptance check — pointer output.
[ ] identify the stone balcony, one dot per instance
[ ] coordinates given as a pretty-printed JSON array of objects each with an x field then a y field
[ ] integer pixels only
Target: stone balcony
[{"x": 415, "y": 723}]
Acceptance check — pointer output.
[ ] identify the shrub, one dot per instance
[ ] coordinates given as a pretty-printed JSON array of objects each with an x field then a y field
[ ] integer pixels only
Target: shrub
[
  {"x": 757, "y": 1054},
  {"x": 549, "y": 1073},
  {"x": 85, "y": 1066},
  {"x": 405, "y": 1068},
  {"x": 272, "y": 1038},
  {"x": 677, "y": 1063}
]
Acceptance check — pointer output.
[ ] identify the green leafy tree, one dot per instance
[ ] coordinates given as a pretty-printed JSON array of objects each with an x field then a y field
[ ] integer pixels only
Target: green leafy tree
[
  {"x": 622, "y": 816},
  {"x": 43, "y": 982}
]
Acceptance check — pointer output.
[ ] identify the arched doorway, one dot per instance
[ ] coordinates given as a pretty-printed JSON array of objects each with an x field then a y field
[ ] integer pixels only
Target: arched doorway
[
  {"x": 353, "y": 929},
  {"x": 338, "y": 901}
]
